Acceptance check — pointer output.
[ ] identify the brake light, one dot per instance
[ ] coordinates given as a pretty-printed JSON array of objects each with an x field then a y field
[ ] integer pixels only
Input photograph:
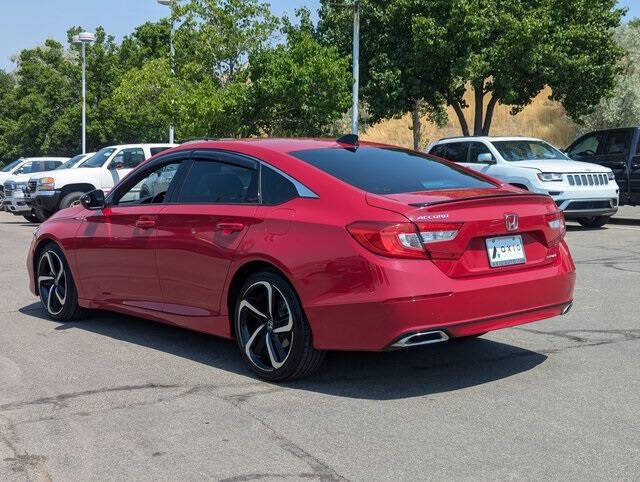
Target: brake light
[
  {"x": 557, "y": 226},
  {"x": 395, "y": 240},
  {"x": 402, "y": 240}
]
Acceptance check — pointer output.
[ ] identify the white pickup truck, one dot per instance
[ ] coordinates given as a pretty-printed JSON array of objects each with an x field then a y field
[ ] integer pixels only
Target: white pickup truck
[{"x": 64, "y": 187}]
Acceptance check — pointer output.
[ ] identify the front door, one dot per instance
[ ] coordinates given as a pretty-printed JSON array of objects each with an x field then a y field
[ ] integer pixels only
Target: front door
[
  {"x": 200, "y": 231},
  {"x": 609, "y": 149},
  {"x": 634, "y": 177},
  {"x": 122, "y": 163},
  {"x": 116, "y": 251}
]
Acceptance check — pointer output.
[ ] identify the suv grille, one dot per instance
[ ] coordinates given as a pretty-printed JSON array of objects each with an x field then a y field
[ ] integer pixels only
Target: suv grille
[{"x": 588, "y": 179}]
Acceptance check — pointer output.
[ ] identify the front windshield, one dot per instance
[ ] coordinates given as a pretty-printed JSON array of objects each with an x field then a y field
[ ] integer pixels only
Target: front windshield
[
  {"x": 514, "y": 151},
  {"x": 8, "y": 167},
  {"x": 99, "y": 159},
  {"x": 71, "y": 162}
]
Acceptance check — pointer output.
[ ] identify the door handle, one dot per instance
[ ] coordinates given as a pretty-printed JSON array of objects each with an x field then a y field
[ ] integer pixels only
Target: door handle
[
  {"x": 145, "y": 223},
  {"x": 229, "y": 227}
]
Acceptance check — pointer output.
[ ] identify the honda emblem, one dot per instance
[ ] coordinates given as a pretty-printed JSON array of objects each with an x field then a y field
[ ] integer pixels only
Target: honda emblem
[{"x": 511, "y": 222}]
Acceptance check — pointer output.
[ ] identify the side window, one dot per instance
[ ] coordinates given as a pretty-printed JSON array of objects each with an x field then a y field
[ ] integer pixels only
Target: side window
[
  {"x": 51, "y": 165},
  {"x": 127, "y": 158},
  {"x": 157, "y": 150},
  {"x": 587, "y": 147},
  {"x": 475, "y": 149},
  {"x": 436, "y": 150},
  {"x": 221, "y": 183},
  {"x": 617, "y": 142},
  {"x": 152, "y": 188},
  {"x": 455, "y": 151},
  {"x": 276, "y": 189}
]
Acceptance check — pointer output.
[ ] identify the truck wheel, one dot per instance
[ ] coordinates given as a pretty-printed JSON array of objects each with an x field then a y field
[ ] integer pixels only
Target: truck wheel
[
  {"x": 594, "y": 222},
  {"x": 31, "y": 217},
  {"x": 70, "y": 199},
  {"x": 40, "y": 214}
]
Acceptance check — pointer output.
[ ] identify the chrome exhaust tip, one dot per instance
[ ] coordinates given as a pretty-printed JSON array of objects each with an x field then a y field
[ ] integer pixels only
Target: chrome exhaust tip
[
  {"x": 567, "y": 308},
  {"x": 421, "y": 338}
]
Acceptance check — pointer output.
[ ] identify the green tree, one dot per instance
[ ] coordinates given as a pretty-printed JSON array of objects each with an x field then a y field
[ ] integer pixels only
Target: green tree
[
  {"x": 215, "y": 37},
  {"x": 424, "y": 54},
  {"x": 623, "y": 107},
  {"x": 299, "y": 88}
]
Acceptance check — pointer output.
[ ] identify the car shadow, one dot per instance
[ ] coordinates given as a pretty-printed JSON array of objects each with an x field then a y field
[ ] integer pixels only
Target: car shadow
[
  {"x": 625, "y": 221},
  {"x": 391, "y": 375}
]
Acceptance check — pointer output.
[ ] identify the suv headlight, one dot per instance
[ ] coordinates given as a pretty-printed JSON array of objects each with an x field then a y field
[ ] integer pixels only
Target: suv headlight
[
  {"x": 550, "y": 177},
  {"x": 611, "y": 176},
  {"x": 46, "y": 184}
]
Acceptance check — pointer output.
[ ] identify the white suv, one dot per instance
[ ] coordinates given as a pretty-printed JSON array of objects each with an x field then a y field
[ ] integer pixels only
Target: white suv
[
  {"x": 62, "y": 188},
  {"x": 585, "y": 192}
]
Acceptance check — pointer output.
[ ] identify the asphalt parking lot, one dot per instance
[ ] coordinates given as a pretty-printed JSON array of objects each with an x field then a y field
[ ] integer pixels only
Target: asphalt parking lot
[{"x": 114, "y": 397}]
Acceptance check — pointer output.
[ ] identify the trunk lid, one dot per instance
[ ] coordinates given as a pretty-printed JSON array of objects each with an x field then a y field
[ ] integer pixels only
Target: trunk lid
[{"x": 478, "y": 215}]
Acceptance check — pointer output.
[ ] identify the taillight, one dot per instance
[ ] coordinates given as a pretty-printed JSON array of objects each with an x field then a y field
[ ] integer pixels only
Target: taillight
[
  {"x": 402, "y": 240},
  {"x": 558, "y": 228},
  {"x": 438, "y": 232},
  {"x": 396, "y": 240}
]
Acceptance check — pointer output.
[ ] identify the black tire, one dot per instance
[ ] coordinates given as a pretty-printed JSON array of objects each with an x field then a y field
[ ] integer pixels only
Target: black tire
[
  {"x": 40, "y": 214},
  {"x": 594, "y": 222},
  {"x": 70, "y": 199},
  {"x": 51, "y": 284},
  {"x": 277, "y": 346},
  {"x": 31, "y": 217}
]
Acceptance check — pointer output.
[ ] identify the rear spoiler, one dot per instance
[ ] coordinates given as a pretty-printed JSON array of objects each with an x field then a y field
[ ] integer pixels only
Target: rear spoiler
[{"x": 475, "y": 198}]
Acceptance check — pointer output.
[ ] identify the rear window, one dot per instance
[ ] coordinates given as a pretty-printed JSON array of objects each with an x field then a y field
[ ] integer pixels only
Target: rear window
[{"x": 389, "y": 170}]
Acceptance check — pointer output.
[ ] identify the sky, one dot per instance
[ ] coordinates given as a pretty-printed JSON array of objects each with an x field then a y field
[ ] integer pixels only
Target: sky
[{"x": 27, "y": 23}]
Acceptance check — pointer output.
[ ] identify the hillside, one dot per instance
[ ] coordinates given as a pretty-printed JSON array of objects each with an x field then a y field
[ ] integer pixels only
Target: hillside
[{"x": 543, "y": 118}]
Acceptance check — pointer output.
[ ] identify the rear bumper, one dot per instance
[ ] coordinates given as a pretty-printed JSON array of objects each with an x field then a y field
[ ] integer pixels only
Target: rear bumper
[{"x": 458, "y": 307}]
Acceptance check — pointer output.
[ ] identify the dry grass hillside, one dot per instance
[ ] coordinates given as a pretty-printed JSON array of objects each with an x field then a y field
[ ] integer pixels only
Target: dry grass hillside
[{"x": 543, "y": 118}]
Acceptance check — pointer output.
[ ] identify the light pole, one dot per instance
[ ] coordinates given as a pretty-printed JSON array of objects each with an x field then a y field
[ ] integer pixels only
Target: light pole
[
  {"x": 84, "y": 38},
  {"x": 356, "y": 60},
  {"x": 167, "y": 3}
]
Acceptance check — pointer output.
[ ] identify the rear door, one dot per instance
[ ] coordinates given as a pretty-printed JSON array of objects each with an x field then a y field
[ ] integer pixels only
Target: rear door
[
  {"x": 200, "y": 230},
  {"x": 634, "y": 171}
]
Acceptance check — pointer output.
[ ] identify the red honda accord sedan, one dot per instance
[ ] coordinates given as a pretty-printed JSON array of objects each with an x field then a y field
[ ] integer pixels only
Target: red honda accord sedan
[{"x": 296, "y": 247}]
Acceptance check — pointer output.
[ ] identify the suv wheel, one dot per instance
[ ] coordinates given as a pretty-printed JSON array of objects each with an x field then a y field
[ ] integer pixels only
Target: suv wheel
[
  {"x": 57, "y": 290},
  {"x": 272, "y": 331},
  {"x": 594, "y": 222},
  {"x": 70, "y": 199}
]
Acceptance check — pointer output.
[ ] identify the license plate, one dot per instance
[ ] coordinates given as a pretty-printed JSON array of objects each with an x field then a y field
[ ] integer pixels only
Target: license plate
[{"x": 505, "y": 251}]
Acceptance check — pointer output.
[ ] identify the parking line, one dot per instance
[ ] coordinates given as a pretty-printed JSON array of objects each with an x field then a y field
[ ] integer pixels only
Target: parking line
[{"x": 623, "y": 227}]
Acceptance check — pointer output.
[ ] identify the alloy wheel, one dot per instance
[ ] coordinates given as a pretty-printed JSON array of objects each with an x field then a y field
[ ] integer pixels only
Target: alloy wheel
[
  {"x": 265, "y": 326},
  {"x": 52, "y": 282}
]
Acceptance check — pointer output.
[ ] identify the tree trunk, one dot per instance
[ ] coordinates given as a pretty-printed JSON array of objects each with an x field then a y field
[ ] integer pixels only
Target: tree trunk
[
  {"x": 417, "y": 125},
  {"x": 479, "y": 116},
  {"x": 461, "y": 119},
  {"x": 489, "y": 115}
]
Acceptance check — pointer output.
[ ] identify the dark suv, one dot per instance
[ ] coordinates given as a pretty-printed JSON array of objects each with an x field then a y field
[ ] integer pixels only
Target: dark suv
[{"x": 617, "y": 149}]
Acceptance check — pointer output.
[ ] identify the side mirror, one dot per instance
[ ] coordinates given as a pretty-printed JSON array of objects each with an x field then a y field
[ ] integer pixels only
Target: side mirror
[
  {"x": 117, "y": 165},
  {"x": 486, "y": 158},
  {"x": 93, "y": 200}
]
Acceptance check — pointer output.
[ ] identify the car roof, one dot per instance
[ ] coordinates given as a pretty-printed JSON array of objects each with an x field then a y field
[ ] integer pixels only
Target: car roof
[
  {"x": 449, "y": 140},
  {"x": 272, "y": 144},
  {"x": 46, "y": 158}
]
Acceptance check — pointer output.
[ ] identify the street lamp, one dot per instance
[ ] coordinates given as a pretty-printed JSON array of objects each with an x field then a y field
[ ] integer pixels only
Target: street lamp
[
  {"x": 167, "y": 3},
  {"x": 84, "y": 38},
  {"x": 356, "y": 60}
]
